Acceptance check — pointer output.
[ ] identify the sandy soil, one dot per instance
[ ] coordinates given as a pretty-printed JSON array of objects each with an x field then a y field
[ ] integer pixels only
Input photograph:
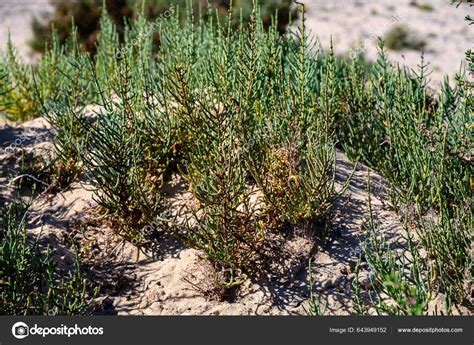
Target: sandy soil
[
  {"x": 175, "y": 280},
  {"x": 15, "y": 19},
  {"x": 355, "y": 24}
]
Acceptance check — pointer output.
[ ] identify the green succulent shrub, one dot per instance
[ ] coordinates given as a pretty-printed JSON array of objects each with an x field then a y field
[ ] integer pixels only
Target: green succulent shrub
[
  {"x": 242, "y": 115},
  {"x": 422, "y": 142},
  {"x": 405, "y": 276},
  {"x": 205, "y": 91},
  {"x": 25, "y": 88},
  {"x": 427, "y": 148},
  {"x": 392, "y": 122},
  {"x": 294, "y": 163},
  {"x": 64, "y": 106},
  {"x": 30, "y": 283},
  {"x": 400, "y": 282},
  {"x": 400, "y": 37},
  {"x": 17, "y": 97},
  {"x": 126, "y": 152}
]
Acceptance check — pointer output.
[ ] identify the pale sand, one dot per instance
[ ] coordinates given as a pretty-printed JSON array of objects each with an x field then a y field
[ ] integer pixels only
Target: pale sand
[
  {"x": 353, "y": 24},
  {"x": 15, "y": 19}
]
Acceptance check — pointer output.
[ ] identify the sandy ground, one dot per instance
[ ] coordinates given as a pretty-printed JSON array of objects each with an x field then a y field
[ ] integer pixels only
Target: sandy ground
[
  {"x": 175, "y": 280},
  {"x": 15, "y": 19},
  {"x": 355, "y": 24}
]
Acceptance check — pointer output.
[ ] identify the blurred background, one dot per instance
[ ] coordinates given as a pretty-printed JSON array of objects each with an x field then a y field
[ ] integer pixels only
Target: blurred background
[{"x": 433, "y": 27}]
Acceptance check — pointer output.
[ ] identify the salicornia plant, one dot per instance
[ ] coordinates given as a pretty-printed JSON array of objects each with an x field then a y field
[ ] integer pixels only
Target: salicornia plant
[{"x": 30, "y": 282}]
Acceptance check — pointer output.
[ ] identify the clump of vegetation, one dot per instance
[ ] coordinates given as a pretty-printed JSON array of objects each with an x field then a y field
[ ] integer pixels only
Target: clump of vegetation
[
  {"x": 64, "y": 108},
  {"x": 292, "y": 159},
  {"x": 26, "y": 88},
  {"x": 223, "y": 224},
  {"x": 17, "y": 96},
  {"x": 400, "y": 283},
  {"x": 226, "y": 105},
  {"x": 425, "y": 7},
  {"x": 297, "y": 184},
  {"x": 400, "y": 37},
  {"x": 30, "y": 283},
  {"x": 405, "y": 276},
  {"x": 426, "y": 145},
  {"x": 409, "y": 128},
  {"x": 126, "y": 151}
]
